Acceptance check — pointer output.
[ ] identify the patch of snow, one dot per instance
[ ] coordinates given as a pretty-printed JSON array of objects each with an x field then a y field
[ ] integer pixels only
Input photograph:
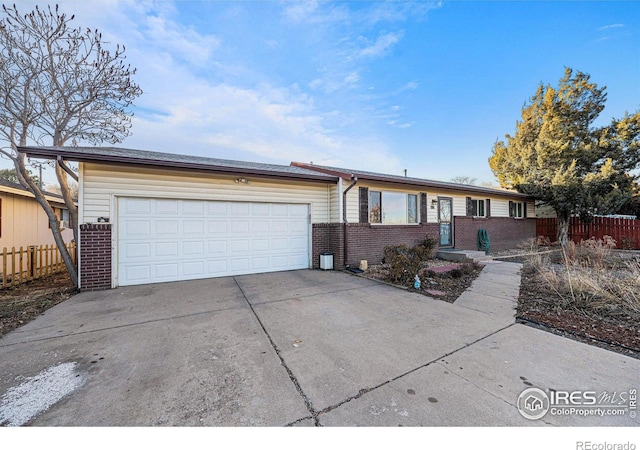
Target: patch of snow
[{"x": 38, "y": 393}]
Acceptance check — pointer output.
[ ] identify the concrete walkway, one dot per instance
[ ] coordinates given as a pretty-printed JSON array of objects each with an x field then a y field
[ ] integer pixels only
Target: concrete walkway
[{"x": 299, "y": 348}]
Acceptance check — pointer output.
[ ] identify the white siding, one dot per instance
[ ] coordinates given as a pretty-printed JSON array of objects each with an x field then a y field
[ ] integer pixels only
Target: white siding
[
  {"x": 499, "y": 204},
  {"x": 334, "y": 203},
  {"x": 100, "y": 183}
]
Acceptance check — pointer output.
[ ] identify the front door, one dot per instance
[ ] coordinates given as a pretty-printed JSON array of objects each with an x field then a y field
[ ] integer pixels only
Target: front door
[{"x": 445, "y": 205}]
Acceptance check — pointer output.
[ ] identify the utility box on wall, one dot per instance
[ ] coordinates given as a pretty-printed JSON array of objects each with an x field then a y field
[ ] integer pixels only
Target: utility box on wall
[{"x": 326, "y": 261}]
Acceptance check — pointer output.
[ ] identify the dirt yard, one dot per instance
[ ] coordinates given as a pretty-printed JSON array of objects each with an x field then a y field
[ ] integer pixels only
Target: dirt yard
[
  {"x": 440, "y": 279},
  {"x": 22, "y": 303},
  {"x": 590, "y": 293}
]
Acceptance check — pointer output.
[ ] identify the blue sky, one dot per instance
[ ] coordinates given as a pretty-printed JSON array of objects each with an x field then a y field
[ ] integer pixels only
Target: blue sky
[{"x": 381, "y": 86}]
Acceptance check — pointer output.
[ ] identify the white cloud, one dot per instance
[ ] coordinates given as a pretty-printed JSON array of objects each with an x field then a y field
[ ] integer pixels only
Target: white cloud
[
  {"x": 185, "y": 110},
  {"x": 382, "y": 45},
  {"x": 182, "y": 42},
  {"x": 609, "y": 27}
]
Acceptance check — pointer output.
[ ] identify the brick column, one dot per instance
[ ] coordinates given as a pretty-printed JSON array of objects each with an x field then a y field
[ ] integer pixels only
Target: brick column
[{"x": 95, "y": 256}]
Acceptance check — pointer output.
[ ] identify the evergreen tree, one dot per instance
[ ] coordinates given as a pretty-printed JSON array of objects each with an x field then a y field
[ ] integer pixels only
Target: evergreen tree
[{"x": 559, "y": 156}]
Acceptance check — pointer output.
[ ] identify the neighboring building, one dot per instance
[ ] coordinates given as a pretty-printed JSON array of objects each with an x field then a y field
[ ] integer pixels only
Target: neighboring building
[
  {"x": 23, "y": 222},
  {"x": 148, "y": 217}
]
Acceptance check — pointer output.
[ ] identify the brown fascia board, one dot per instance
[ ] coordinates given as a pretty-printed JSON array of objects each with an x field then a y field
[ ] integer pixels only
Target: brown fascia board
[
  {"x": 53, "y": 153},
  {"x": 441, "y": 185}
]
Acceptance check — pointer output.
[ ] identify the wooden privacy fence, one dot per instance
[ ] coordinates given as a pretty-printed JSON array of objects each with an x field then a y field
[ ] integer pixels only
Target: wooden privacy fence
[
  {"x": 626, "y": 232},
  {"x": 29, "y": 263}
]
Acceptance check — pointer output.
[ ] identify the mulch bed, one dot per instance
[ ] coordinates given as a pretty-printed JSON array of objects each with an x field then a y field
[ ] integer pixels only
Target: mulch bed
[
  {"x": 441, "y": 279},
  {"x": 24, "y": 302},
  {"x": 536, "y": 307}
]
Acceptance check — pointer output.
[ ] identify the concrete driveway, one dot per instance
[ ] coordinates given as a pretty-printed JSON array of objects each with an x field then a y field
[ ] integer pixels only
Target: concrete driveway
[{"x": 296, "y": 348}]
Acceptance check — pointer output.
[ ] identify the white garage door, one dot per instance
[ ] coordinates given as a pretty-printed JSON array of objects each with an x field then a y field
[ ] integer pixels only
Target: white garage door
[{"x": 168, "y": 240}]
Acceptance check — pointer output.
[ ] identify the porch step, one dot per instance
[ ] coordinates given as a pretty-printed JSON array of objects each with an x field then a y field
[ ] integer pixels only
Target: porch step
[{"x": 463, "y": 255}]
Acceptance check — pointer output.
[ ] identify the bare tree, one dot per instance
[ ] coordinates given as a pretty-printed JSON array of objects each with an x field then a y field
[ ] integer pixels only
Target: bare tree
[
  {"x": 463, "y": 179},
  {"x": 59, "y": 85}
]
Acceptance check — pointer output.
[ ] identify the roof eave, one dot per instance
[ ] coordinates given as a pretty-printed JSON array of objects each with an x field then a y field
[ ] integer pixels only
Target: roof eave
[
  {"x": 52, "y": 153},
  {"x": 413, "y": 182}
]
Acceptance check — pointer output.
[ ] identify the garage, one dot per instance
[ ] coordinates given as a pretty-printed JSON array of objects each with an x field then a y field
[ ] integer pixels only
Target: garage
[{"x": 162, "y": 240}]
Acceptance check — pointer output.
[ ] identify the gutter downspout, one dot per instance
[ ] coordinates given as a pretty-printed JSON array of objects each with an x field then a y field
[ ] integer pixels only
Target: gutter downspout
[{"x": 344, "y": 216}]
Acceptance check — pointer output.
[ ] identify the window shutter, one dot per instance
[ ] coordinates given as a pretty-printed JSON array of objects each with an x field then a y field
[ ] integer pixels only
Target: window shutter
[
  {"x": 469, "y": 207},
  {"x": 0, "y": 217},
  {"x": 423, "y": 207},
  {"x": 511, "y": 208},
  {"x": 487, "y": 207},
  {"x": 524, "y": 209},
  {"x": 364, "y": 205}
]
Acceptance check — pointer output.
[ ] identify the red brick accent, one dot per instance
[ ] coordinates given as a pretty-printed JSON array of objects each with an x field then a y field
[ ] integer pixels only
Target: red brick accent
[
  {"x": 366, "y": 241},
  {"x": 95, "y": 256},
  {"x": 328, "y": 237},
  {"x": 504, "y": 232}
]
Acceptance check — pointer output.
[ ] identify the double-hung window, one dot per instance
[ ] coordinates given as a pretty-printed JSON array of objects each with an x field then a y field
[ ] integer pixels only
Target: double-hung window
[
  {"x": 518, "y": 210},
  {"x": 478, "y": 208},
  {"x": 393, "y": 208}
]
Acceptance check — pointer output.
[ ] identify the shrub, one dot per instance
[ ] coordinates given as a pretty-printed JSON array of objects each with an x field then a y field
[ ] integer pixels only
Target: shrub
[{"x": 405, "y": 262}]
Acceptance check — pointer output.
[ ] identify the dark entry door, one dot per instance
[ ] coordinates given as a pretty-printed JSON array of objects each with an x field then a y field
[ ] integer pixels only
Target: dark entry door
[{"x": 445, "y": 205}]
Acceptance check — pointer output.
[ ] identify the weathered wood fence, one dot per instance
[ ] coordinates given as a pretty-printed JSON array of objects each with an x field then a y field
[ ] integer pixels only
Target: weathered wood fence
[
  {"x": 626, "y": 232},
  {"x": 28, "y": 263}
]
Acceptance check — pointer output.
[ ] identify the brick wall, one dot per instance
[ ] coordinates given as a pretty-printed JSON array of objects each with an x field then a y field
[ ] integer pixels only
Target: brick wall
[
  {"x": 328, "y": 237},
  {"x": 366, "y": 241},
  {"x": 504, "y": 232},
  {"x": 95, "y": 256}
]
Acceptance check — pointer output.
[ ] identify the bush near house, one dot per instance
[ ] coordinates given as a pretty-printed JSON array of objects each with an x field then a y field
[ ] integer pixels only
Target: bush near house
[{"x": 405, "y": 262}]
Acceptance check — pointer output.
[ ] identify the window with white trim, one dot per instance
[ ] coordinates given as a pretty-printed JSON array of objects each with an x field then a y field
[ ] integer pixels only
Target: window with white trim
[
  {"x": 393, "y": 208},
  {"x": 518, "y": 210},
  {"x": 478, "y": 208}
]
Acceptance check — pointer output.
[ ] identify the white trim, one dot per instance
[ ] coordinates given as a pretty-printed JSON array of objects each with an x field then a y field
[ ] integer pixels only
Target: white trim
[
  {"x": 340, "y": 202},
  {"x": 113, "y": 220}
]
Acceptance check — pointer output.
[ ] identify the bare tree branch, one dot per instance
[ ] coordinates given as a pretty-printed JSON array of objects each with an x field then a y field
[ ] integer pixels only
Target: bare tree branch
[{"x": 59, "y": 84}]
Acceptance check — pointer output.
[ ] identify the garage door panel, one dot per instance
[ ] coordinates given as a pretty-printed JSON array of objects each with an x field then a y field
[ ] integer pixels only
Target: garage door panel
[
  {"x": 239, "y": 246},
  {"x": 167, "y": 227},
  {"x": 168, "y": 240},
  {"x": 279, "y": 210},
  {"x": 166, "y": 271},
  {"x": 166, "y": 249},
  {"x": 259, "y": 245},
  {"x": 193, "y": 248},
  {"x": 297, "y": 244},
  {"x": 137, "y": 250},
  {"x": 261, "y": 264},
  {"x": 238, "y": 265},
  {"x": 260, "y": 226},
  {"x": 193, "y": 269},
  {"x": 167, "y": 207},
  {"x": 298, "y": 226},
  {"x": 218, "y": 268},
  {"x": 137, "y": 273},
  {"x": 240, "y": 209},
  {"x": 193, "y": 227},
  {"x": 280, "y": 226},
  {"x": 137, "y": 228},
  {"x": 260, "y": 210},
  {"x": 301, "y": 211},
  {"x": 193, "y": 207},
  {"x": 217, "y": 248},
  {"x": 217, "y": 227},
  {"x": 137, "y": 207},
  {"x": 239, "y": 227}
]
